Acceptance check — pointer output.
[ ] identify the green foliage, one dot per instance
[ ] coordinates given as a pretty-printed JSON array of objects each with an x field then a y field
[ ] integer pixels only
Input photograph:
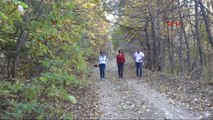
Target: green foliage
[
  {"x": 9, "y": 17},
  {"x": 20, "y": 3},
  {"x": 3, "y": 16},
  {"x": 62, "y": 37},
  {"x": 19, "y": 95},
  {"x": 117, "y": 37},
  {"x": 30, "y": 99}
]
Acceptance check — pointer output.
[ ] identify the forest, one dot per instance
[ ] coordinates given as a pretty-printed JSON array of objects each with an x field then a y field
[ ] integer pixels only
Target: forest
[{"x": 48, "y": 48}]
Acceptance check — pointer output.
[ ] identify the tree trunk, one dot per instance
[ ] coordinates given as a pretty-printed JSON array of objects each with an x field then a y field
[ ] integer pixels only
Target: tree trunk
[
  {"x": 155, "y": 44},
  {"x": 170, "y": 51},
  {"x": 188, "y": 58},
  {"x": 149, "y": 61},
  {"x": 180, "y": 52},
  {"x": 159, "y": 47},
  {"x": 23, "y": 35},
  {"x": 207, "y": 23},
  {"x": 198, "y": 38},
  {"x": 183, "y": 34}
]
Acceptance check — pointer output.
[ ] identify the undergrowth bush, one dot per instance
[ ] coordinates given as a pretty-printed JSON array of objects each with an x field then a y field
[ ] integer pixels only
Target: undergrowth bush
[{"x": 42, "y": 97}]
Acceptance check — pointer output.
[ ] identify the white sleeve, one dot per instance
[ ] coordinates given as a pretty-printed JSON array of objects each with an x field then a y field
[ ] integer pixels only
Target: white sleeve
[{"x": 142, "y": 54}]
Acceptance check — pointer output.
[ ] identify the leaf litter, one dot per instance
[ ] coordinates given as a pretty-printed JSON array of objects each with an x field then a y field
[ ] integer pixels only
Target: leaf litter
[{"x": 124, "y": 98}]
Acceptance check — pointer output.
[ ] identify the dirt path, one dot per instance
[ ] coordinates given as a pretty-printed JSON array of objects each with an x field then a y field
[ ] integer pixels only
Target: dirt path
[{"x": 132, "y": 98}]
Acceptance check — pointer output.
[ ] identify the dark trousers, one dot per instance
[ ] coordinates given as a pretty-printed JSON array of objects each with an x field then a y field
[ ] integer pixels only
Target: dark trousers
[
  {"x": 138, "y": 68},
  {"x": 120, "y": 69},
  {"x": 102, "y": 68}
]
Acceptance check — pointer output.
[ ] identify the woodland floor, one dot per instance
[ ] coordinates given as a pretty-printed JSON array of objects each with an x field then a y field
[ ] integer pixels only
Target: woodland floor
[{"x": 155, "y": 96}]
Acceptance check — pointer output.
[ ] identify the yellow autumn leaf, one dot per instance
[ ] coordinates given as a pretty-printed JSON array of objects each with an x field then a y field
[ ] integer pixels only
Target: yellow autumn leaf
[
  {"x": 88, "y": 5},
  {"x": 92, "y": 42},
  {"x": 92, "y": 35}
]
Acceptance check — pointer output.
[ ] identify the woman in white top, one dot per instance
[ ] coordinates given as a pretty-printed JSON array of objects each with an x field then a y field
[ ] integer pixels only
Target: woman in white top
[{"x": 102, "y": 65}]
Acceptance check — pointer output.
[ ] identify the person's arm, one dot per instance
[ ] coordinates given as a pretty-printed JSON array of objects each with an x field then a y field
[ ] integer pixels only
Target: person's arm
[
  {"x": 117, "y": 59},
  {"x": 105, "y": 58},
  {"x": 142, "y": 55},
  {"x": 99, "y": 58}
]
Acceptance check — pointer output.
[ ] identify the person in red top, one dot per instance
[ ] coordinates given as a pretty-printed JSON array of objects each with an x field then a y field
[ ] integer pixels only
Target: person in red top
[{"x": 120, "y": 59}]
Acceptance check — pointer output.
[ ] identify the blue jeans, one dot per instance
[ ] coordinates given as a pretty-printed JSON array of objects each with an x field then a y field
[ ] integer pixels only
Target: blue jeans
[
  {"x": 102, "y": 68},
  {"x": 138, "y": 68}
]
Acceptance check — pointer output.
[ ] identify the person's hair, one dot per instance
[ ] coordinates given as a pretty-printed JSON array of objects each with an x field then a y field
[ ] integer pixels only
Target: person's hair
[
  {"x": 120, "y": 51},
  {"x": 101, "y": 52},
  {"x": 138, "y": 49}
]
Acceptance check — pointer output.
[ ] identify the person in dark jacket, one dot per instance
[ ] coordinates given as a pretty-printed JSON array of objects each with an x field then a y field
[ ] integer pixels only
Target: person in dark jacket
[{"x": 120, "y": 59}]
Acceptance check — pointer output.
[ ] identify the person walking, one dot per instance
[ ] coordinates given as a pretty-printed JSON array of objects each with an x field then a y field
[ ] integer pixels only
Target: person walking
[
  {"x": 120, "y": 59},
  {"x": 102, "y": 65},
  {"x": 138, "y": 56}
]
